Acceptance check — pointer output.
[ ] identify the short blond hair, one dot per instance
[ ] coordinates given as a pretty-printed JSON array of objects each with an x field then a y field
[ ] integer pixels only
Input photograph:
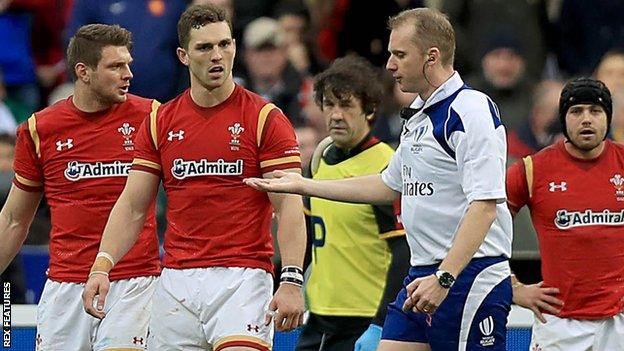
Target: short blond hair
[{"x": 432, "y": 29}]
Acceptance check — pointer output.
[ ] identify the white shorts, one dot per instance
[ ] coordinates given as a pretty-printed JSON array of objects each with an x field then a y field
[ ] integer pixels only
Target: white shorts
[
  {"x": 210, "y": 309},
  {"x": 62, "y": 323},
  {"x": 566, "y": 334}
]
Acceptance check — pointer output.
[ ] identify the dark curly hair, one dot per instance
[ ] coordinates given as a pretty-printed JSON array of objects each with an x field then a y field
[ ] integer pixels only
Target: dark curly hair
[{"x": 350, "y": 76}]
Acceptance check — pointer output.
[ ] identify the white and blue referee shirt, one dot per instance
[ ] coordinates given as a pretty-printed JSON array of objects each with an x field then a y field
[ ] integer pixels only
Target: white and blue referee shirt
[{"x": 452, "y": 152}]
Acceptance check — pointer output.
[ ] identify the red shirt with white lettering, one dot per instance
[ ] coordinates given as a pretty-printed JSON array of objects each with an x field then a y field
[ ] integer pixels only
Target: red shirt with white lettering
[
  {"x": 577, "y": 209},
  {"x": 202, "y": 155},
  {"x": 80, "y": 161}
]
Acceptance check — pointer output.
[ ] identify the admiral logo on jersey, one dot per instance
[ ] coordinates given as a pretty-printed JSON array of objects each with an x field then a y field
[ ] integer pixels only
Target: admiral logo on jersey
[
  {"x": 567, "y": 220},
  {"x": 80, "y": 170},
  {"x": 182, "y": 169}
]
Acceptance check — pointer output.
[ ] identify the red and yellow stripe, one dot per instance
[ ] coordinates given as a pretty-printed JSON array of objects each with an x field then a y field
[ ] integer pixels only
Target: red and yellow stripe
[
  {"x": 153, "y": 130},
  {"x": 34, "y": 135},
  {"x": 528, "y": 170},
  {"x": 262, "y": 117}
]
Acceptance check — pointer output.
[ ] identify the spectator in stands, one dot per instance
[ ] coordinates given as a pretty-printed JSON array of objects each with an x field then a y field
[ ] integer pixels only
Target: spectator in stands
[
  {"x": 610, "y": 70},
  {"x": 475, "y": 20},
  {"x": 308, "y": 138},
  {"x": 7, "y": 121},
  {"x": 541, "y": 128},
  {"x": 503, "y": 78},
  {"x": 16, "y": 60},
  {"x": 270, "y": 74},
  {"x": 294, "y": 19},
  {"x": 153, "y": 26},
  {"x": 588, "y": 30}
]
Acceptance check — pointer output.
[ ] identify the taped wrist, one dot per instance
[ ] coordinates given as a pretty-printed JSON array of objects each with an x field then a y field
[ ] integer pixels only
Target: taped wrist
[
  {"x": 103, "y": 263},
  {"x": 292, "y": 275}
]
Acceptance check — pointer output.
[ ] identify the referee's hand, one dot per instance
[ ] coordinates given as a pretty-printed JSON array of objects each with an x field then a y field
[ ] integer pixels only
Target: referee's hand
[
  {"x": 97, "y": 285},
  {"x": 286, "y": 308}
]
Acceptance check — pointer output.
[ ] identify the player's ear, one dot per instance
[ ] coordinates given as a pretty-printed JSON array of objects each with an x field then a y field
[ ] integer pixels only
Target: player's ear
[
  {"x": 433, "y": 56},
  {"x": 182, "y": 56},
  {"x": 82, "y": 71}
]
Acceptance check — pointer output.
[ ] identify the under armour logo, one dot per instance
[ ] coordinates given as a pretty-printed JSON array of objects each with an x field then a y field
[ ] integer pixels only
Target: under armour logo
[
  {"x": 253, "y": 327},
  {"x": 68, "y": 144},
  {"x": 563, "y": 186},
  {"x": 137, "y": 341},
  {"x": 179, "y": 135}
]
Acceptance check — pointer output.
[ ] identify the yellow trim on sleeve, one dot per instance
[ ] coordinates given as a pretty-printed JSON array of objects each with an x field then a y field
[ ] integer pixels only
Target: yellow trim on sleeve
[
  {"x": 146, "y": 163},
  {"x": 153, "y": 114},
  {"x": 34, "y": 135},
  {"x": 279, "y": 161},
  {"x": 392, "y": 234},
  {"x": 306, "y": 211},
  {"x": 27, "y": 182},
  {"x": 528, "y": 170},
  {"x": 262, "y": 116}
]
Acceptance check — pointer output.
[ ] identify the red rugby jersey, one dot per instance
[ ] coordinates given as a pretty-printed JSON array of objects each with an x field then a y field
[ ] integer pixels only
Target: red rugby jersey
[
  {"x": 202, "y": 155},
  {"x": 577, "y": 209},
  {"x": 81, "y": 161}
]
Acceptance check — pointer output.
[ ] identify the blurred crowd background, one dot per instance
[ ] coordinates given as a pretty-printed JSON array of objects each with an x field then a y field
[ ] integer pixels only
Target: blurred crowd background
[{"x": 520, "y": 52}]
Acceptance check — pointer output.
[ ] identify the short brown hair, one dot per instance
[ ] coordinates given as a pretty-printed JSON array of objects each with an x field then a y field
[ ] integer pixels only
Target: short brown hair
[
  {"x": 350, "y": 76},
  {"x": 197, "y": 16},
  {"x": 87, "y": 44},
  {"x": 432, "y": 29}
]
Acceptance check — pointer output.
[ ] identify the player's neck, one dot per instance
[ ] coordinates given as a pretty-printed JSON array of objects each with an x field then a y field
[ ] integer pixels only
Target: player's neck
[
  {"x": 210, "y": 98},
  {"x": 436, "y": 77},
  {"x": 584, "y": 154},
  {"x": 86, "y": 100}
]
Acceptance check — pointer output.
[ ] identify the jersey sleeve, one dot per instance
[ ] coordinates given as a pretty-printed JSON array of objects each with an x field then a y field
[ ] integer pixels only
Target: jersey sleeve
[
  {"x": 27, "y": 165},
  {"x": 146, "y": 154},
  {"x": 391, "y": 176},
  {"x": 388, "y": 219},
  {"x": 277, "y": 142},
  {"x": 517, "y": 185},
  {"x": 480, "y": 149}
]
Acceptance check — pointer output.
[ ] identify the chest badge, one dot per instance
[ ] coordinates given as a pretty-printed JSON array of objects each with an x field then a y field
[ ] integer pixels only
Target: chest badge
[
  {"x": 618, "y": 184},
  {"x": 126, "y": 131},
  {"x": 235, "y": 132},
  {"x": 417, "y": 147}
]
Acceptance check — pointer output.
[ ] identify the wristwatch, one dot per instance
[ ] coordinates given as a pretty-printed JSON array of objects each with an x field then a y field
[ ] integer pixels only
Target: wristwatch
[{"x": 445, "y": 279}]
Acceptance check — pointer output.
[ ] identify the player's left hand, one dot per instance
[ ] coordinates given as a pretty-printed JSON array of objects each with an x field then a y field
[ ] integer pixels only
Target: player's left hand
[
  {"x": 287, "y": 307},
  {"x": 424, "y": 295}
]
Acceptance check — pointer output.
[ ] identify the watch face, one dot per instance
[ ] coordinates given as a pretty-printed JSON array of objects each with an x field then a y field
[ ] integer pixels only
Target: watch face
[{"x": 445, "y": 279}]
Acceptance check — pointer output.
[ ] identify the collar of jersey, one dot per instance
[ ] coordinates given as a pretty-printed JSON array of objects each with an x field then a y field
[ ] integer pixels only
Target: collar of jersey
[{"x": 445, "y": 90}]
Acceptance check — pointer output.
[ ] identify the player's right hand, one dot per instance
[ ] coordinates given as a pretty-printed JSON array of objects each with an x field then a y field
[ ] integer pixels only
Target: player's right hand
[
  {"x": 97, "y": 285},
  {"x": 278, "y": 182},
  {"x": 537, "y": 299}
]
